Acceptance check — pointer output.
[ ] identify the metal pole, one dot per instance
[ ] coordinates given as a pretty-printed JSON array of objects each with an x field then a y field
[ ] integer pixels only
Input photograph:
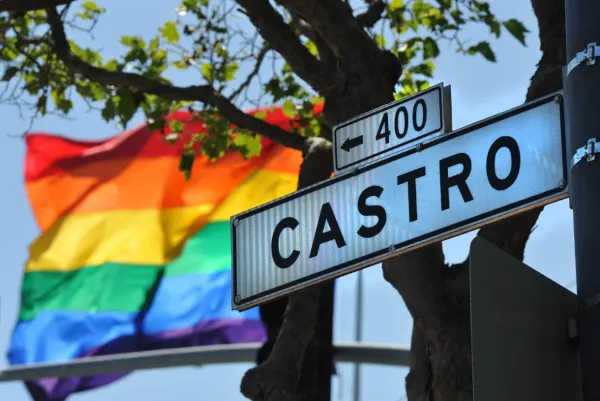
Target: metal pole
[
  {"x": 358, "y": 331},
  {"x": 324, "y": 336},
  {"x": 582, "y": 105},
  {"x": 381, "y": 354}
]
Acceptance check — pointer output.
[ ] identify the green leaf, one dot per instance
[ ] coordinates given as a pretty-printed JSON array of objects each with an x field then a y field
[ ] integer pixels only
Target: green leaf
[
  {"x": 110, "y": 110},
  {"x": 221, "y": 50},
  {"x": 495, "y": 28},
  {"x": 180, "y": 65},
  {"x": 126, "y": 106},
  {"x": 396, "y": 5},
  {"x": 430, "y": 48},
  {"x": 516, "y": 29},
  {"x": 128, "y": 41},
  {"x": 261, "y": 115},
  {"x": 420, "y": 8},
  {"x": 316, "y": 100},
  {"x": 422, "y": 85},
  {"x": 274, "y": 88},
  {"x": 312, "y": 48},
  {"x": 380, "y": 40},
  {"x": 186, "y": 162},
  {"x": 456, "y": 14},
  {"x": 42, "y": 104},
  {"x": 155, "y": 43},
  {"x": 9, "y": 73},
  {"x": 289, "y": 108},
  {"x": 91, "y": 7},
  {"x": 169, "y": 32},
  {"x": 190, "y": 5},
  {"x": 176, "y": 126},
  {"x": 65, "y": 105},
  {"x": 207, "y": 71},
  {"x": 425, "y": 68},
  {"x": 90, "y": 11},
  {"x": 113, "y": 65},
  {"x": 62, "y": 103},
  {"x": 484, "y": 49},
  {"x": 96, "y": 91},
  {"x": 247, "y": 145},
  {"x": 229, "y": 71},
  {"x": 445, "y": 4}
]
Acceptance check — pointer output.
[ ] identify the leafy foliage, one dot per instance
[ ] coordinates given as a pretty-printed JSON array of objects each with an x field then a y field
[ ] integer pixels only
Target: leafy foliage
[
  {"x": 214, "y": 39},
  {"x": 419, "y": 27}
]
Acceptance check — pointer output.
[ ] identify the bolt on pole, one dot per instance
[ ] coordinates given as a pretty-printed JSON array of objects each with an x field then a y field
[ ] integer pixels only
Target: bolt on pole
[{"x": 582, "y": 104}]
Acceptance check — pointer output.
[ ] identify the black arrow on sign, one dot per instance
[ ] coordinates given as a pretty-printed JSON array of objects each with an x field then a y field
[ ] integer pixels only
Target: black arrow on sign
[{"x": 349, "y": 144}]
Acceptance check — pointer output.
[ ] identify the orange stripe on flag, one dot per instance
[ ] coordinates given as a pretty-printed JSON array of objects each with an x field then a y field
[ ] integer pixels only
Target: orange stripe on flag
[{"x": 137, "y": 170}]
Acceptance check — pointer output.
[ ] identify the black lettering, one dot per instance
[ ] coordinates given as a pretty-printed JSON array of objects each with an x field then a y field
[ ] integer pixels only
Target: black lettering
[
  {"x": 384, "y": 129},
  {"x": 371, "y": 210},
  {"x": 419, "y": 127},
  {"x": 401, "y": 134},
  {"x": 459, "y": 180},
  {"x": 500, "y": 184},
  {"x": 411, "y": 179},
  {"x": 326, "y": 216},
  {"x": 280, "y": 261}
]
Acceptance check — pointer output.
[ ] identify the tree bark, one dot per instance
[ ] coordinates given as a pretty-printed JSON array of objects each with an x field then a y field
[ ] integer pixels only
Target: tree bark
[
  {"x": 30, "y": 5},
  {"x": 437, "y": 295}
]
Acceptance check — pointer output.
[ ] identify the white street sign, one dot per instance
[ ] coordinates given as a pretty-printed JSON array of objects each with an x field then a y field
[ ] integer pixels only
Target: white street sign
[
  {"x": 389, "y": 129},
  {"x": 503, "y": 165}
]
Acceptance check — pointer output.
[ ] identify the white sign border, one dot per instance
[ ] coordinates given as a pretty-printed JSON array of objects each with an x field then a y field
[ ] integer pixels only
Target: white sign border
[
  {"x": 561, "y": 192},
  {"x": 400, "y": 147}
]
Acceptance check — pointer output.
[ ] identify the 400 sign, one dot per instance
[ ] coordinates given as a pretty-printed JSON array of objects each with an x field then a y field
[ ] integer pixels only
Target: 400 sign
[{"x": 390, "y": 129}]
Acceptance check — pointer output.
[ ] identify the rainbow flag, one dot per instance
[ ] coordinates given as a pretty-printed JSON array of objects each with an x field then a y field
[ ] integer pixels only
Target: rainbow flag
[{"x": 131, "y": 256}]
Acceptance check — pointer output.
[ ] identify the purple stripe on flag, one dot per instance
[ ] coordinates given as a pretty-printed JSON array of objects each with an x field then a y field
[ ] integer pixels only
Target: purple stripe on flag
[{"x": 215, "y": 332}]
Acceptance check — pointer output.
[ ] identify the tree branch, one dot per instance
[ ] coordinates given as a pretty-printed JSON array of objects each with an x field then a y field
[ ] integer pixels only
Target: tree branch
[
  {"x": 512, "y": 234},
  {"x": 282, "y": 39},
  {"x": 30, "y": 5},
  {"x": 373, "y": 14},
  {"x": 259, "y": 60},
  {"x": 201, "y": 93},
  {"x": 334, "y": 21},
  {"x": 325, "y": 53}
]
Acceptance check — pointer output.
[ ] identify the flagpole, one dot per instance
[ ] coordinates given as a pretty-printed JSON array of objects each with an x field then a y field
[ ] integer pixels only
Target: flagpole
[{"x": 358, "y": 332}]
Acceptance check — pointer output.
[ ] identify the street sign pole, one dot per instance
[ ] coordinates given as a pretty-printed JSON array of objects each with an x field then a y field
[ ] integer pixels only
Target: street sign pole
[{"x": 582, "y": 89}]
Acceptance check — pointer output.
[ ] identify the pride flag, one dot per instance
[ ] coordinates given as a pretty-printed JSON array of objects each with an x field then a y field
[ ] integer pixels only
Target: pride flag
[{"x": 131, "y": 256}]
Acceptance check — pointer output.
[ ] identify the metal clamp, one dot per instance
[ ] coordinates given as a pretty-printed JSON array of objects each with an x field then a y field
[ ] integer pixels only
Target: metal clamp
[
  {"x": 588, "y": 55},
  {"x": 589, "y": 152}
]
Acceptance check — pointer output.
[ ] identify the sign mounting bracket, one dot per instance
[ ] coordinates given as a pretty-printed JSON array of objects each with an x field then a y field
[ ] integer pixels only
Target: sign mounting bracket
[
  {"x": 592, "y": 50},
  {"x": 587, "y": 152}
]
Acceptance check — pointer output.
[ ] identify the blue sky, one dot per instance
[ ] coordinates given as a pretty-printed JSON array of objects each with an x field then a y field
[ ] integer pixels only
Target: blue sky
[{"x": 480, "y": 89}]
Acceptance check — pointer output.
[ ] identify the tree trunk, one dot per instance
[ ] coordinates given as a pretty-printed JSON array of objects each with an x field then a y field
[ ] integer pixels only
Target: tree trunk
[
  {"x": 286, "y": 373},
  {"x": 437, "y": 295}
]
